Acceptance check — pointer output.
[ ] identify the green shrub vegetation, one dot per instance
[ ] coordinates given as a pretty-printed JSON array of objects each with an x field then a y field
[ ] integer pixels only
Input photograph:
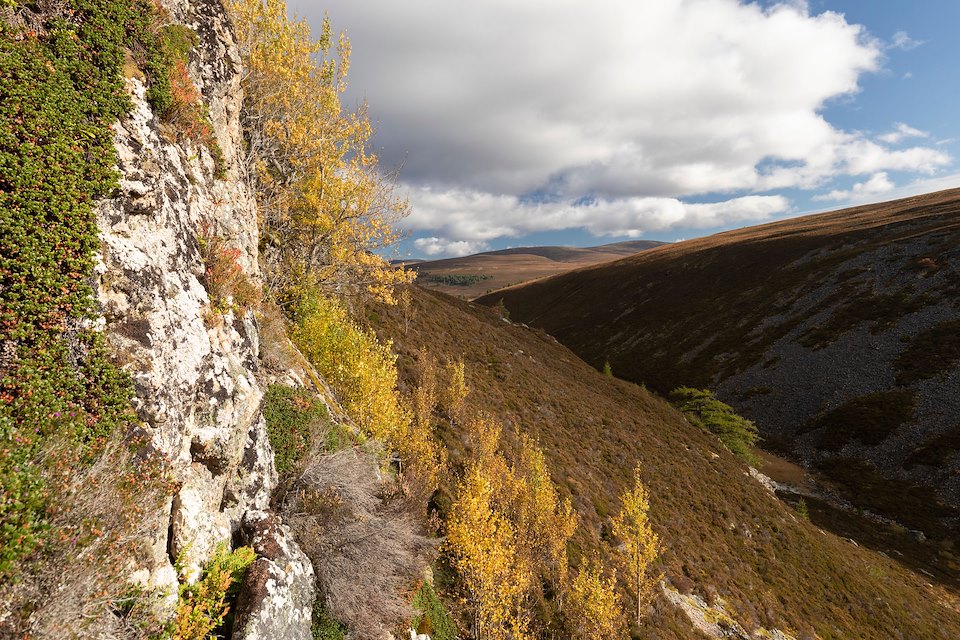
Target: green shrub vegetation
[
  {"x": 60, "y": 91},
  {"x": 296, "y": 421},
  {"x": 325, "y": 626},
  {"x": 432, "y": 618},
  {"x": 72, "y": 495},
  {"x": 704, "y": 410},
  {"x": 202, "y": 607}
]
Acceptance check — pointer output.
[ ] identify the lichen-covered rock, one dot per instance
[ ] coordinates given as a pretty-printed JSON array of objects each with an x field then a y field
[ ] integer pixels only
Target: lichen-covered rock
[
  {"x": 194, "y": 367},
  {"x": 276, "y": 600}
]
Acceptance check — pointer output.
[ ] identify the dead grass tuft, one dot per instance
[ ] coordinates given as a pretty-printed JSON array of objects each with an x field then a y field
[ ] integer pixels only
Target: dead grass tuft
[{"x": 364, "y": 545}]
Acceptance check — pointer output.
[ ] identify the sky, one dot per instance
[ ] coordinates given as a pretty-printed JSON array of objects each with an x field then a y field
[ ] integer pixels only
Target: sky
[{"x": 533, "y": 122}]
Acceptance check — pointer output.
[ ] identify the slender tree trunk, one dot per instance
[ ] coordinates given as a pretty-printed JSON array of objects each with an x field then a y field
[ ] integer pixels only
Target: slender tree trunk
[{"x": 638, "y": 589}]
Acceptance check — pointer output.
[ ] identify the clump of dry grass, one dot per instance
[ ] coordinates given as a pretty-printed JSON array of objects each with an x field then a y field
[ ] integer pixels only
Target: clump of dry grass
[
  {"x": 365, "y": 546},
  {"x": 276, "y": 352}
]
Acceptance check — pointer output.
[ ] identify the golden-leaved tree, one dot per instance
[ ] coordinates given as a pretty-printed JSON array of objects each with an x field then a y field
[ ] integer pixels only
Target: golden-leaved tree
[
  {"x": 488, "y": 558},
  {"x": 641, "y": 545},
  {"x": 544, "y": 521},
  {"x": 362, "y": 371},
  {"x": 326, "y": 205},
  {"x": 454, "y": 393},
  {"x": 594, "y": 608},
  {"x": 507, "y": 533}
]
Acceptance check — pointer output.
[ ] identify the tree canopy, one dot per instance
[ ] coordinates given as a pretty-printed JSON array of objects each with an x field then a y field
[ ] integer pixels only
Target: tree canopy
[
  {"x": 704, "y": 410},
  {"x": 327, "y": 207}
]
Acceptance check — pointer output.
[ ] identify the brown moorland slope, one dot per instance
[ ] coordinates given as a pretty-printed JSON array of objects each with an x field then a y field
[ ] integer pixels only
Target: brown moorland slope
[
  {"x": 838, "y": 333},
  {"x": 725, "y": 536},
  {"x": 475, "y": 275}
]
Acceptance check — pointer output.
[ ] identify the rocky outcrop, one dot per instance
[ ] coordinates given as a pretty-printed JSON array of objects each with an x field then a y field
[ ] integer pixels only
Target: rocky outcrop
[
  {"x": 713, "y": 620},
  {"x": 278, "y": 591},
  {"x": 195, "y": 368}
]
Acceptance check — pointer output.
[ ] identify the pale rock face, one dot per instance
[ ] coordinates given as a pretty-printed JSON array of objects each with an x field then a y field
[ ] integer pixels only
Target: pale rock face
[
  {"x": 194, "y": 369},
  {"x": 714, "y": 621},
  {"x": 278, "y": 592}
]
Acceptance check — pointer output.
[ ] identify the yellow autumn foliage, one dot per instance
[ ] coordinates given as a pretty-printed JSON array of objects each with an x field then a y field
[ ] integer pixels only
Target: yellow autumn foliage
[
  {"x": 362, "y": 372},
  {"x": 545, "y": 522},
  {"x": 455, "y": 392},
  {"x": 507, "y": 532},
  {"x": 486, "y": 554},
  {"x": 641, "y": 545},
  {"x": 425, "y": 396},
  {"x": 326, "y": 205},
  {"x": 594, "y": 609}
]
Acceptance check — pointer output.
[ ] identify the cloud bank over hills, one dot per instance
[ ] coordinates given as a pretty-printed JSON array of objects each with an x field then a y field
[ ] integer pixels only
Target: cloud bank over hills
[{"x": 620, "y": 118}]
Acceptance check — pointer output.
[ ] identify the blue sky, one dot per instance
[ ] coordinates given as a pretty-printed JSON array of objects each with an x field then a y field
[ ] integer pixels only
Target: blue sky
[{"x": 527, "y": 122}]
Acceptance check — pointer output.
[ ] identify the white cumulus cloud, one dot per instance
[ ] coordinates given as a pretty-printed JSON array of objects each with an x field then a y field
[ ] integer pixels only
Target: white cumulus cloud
[
  {"x": 879, "y": 183},
  {"x": 453, "y": 214},
  {"x": 493, "y": 107},
  {"x": 442, "y": 247},
  {"x": 901, "y": 132}
]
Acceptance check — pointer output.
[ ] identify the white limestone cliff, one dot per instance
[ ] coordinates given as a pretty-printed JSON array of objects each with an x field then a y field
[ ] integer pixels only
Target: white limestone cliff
[{"x": 195, "y": 369}]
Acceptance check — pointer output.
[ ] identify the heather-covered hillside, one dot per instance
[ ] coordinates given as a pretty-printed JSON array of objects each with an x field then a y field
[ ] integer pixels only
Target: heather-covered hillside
[
  {"x": 725, "y": 537},
  {"x": 837, "y": 333},
  {"x": 471, "y": 276}
]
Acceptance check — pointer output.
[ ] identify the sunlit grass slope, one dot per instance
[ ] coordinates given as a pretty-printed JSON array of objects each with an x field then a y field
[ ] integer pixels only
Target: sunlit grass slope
[{"x": 724, "y": 535}]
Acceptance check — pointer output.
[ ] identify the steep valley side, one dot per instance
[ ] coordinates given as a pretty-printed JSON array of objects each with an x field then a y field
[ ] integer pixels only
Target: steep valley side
[
  {"x": 727, "y": 539},
  {"x": 836, "y": 333}
]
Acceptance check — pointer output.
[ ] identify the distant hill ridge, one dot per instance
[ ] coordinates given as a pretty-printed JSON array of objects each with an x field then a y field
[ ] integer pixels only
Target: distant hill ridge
[
  {"x": 570, "y": 254},
  {"x": 474, "y": 275},
  {"x": 839, "y": 333}
]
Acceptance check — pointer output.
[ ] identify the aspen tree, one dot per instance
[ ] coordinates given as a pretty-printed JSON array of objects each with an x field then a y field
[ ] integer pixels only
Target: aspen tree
[
  {"x": 363, "y": 373},
  {"x": 516, "y": 507},
  {"x": 326, "y": 205},
  {"x": 595, "y": 609},
  {"x": 425, "y": 395},
  {"x": 423, "y": 454},
  {"x": 486, "y": 555},
  {"x": 456, "y": 390},
  {"x": 641, "y": 544},
  {"x": 546, "y": 521}
]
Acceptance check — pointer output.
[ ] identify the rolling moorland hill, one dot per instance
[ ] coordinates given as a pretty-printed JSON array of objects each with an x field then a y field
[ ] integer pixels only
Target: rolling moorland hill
[
  {"x": 472, "y": 276},
  {"x": 726, "y": 538},
  {"x": 838, "y": 333}
]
